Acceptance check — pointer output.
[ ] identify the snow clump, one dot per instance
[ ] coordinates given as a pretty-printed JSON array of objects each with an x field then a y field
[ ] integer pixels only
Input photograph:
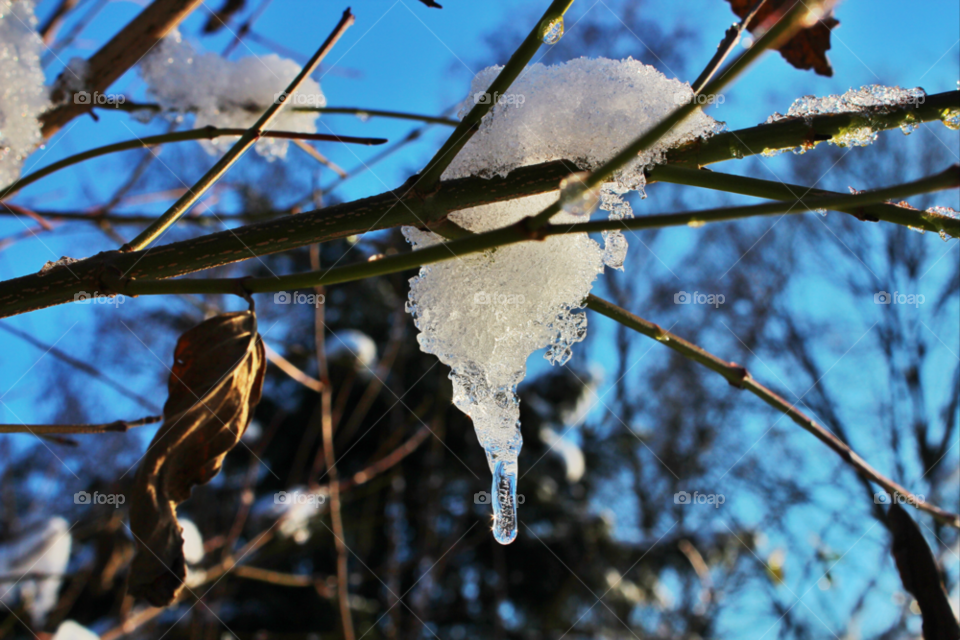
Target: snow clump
[{"x": 483, "y": 314}]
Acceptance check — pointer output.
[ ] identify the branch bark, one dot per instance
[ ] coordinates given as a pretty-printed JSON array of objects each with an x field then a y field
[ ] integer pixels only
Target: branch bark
[{"x": 117, "y": 56}]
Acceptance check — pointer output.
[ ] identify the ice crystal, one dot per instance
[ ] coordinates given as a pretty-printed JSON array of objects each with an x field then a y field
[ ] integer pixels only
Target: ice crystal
[
  {"x": 23, "y": 96},
  {"x": 867, "y": 102},
  {"x": 483, "y": 314},
  {"x": 229, "y": 93}
]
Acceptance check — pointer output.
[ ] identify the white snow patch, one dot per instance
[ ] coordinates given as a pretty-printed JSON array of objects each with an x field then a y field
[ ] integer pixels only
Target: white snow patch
[
  {"x": 23, "y": 96},
  {"x": 45, "y": 549},
  {"x": 229, "y": 93},
  {"x": 483, "y": 314}
]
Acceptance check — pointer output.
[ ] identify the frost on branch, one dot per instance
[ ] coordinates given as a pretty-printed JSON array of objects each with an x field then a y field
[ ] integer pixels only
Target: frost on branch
[
  {"x": 867, "y": 102},
  {"x": 23, "y": 97},
  {"x": 229, "y": 93},
  {"x": 483, "y": 314}
]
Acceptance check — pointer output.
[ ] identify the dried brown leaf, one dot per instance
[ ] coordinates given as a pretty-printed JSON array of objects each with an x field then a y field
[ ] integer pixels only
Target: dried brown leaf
[
  {"x": 214, "y": 385},
  {"x": 921, "y": 576},
  {"x": 807, "y": 49}
]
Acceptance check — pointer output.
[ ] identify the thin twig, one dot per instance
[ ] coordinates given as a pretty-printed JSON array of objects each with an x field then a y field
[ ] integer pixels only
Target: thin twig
[
  {"x": 292, "y": 370},
  {"x": 249, "y": 137},
  {"x": 82, "y": 366},
  {"x": 740, "y": 378},
  {"x": 729, "y": 42},
  {"x": 319, "y": 157},
  {"x": 204, "y": 133},
  {"x": 769, "y": 189},
  {"x": 64, "y": 429}
]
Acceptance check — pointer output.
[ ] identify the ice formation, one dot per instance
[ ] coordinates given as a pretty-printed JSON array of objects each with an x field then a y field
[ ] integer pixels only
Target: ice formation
[
  {"x": 483, "y": 314},
  {"x": 229, "y": 93},
  {"x": 44, "y": 549},
  {"x": 23, "y": 96},
  {"x": 865, "y": 101}
]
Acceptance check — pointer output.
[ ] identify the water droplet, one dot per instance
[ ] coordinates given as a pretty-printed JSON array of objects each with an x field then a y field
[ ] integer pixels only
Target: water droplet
[
  {"x": 696, "y": 224},
  {"x": 822, "y": 212},
  {"x": 736, "y": 152},
  {"x": 504, "y": 491},
  {"x": 614, "y": 249},
  {"x": 917, "y": 229},
  {"x": 552, "y": 30},
  {"x": 951, "y": 118},
  {"x": 908, "y": 127},
  {"x": 576, "y": 197},
  {"x": 944, "y": 236},
  {"x": 363, "y": 116}
]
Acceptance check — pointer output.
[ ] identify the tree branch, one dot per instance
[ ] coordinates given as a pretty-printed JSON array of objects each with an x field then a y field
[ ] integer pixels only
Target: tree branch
[
  {"x": 120, "y": 426},
  {"x": 740, "y": 378},
  {"x": 782, "y": 191},
  {"x": 204, "y": 133},
  {"x": 114, "y": 58}
]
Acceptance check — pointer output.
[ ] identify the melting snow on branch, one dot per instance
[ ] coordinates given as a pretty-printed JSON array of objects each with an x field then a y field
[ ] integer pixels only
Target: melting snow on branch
[
  {"x": 866, "y": 101},
  {"x": 229, "y": 93},
  {"x": 483, "y": 314},
  {"x": 23, "y": 97}
]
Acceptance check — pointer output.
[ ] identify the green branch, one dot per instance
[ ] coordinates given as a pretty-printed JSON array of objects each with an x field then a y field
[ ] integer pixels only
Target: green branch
[
  {"x": 204, "y": 133},
  {"x": 430, "y": 176},
  {"x": 782, "y": 191},
  {"x": 114, "y": 282},
  {"x": 181, "y": 206},
  {"x": 740, "y": 378},
  {"x": 793, "y": 133}
]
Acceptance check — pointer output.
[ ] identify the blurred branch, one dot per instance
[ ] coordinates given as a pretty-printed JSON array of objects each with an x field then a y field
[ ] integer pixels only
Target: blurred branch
[
  {"x": 768, "y": 189},
  {"x": 740, "y": 378},
  {"x": 121, "y": 426},
  {"x": 82, "y": 366},
  {"x": 48, "y": 30},
  {"x": 319, "y": 157},
  {"x": 119, "y": 54},
  {"x": 249, "y": 137},
  {"x": 292, "y": 370}
]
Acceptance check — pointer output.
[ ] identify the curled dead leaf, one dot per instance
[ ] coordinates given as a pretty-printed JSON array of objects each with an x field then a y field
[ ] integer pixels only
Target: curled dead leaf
[
  {"x": 921, "y": 576},
  {"x": 214, "y": 385},
  {"x": 807, "y": 49}
]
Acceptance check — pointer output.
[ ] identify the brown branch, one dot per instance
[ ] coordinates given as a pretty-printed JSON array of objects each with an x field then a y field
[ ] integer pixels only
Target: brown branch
[
  {"x": 121, "y": 426},
  {"x": 391, "y": 460},
  {"x": 48, "y": 30},
  {"x": 740, "y": 378},
  {"x": 117, "y": 56},
  {"x": 293, "y": 371}
]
